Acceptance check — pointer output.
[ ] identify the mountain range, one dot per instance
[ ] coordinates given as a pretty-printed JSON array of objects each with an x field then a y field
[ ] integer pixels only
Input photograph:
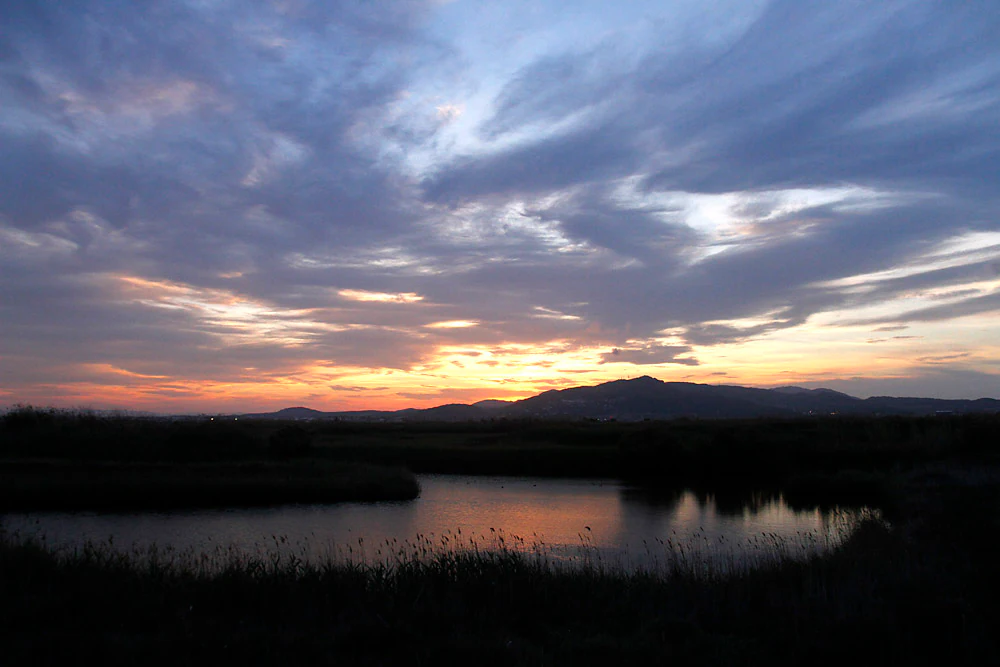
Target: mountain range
[{"x": 649, "y": 398}]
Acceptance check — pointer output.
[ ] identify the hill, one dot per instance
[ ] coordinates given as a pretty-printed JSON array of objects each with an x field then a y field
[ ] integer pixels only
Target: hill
[{"x": 649, "y": 398}]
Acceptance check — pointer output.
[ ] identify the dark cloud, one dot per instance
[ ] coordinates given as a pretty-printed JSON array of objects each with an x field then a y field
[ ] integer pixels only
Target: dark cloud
[
  {"x": 585, "y": 155},
  {"x": 808, "y": 96}
]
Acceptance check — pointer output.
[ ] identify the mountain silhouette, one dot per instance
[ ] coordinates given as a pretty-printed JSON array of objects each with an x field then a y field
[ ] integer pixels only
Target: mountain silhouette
[{"x": 649, "y": 398}]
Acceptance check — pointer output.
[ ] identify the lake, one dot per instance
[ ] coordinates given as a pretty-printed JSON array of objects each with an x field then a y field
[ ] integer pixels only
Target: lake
[{"x": 567, "y": 521}]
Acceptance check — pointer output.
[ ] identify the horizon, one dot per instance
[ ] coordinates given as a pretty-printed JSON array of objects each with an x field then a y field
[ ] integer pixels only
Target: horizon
[
  {"x": 207, "y": 207},
  {"x": 274, "y": 410}
]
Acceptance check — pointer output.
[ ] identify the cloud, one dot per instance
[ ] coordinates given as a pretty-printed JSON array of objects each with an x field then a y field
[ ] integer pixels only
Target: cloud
[
  {"x": 355, "y": 389},
  {"x": 650, "y": 354},
  {"x": 750, "y": 118},
  {"x": 447, "y": 113},
  {"x": 362, "y": 295},
  {"x": 452, "y": 324},
  {"x": 304, "y": 186}
]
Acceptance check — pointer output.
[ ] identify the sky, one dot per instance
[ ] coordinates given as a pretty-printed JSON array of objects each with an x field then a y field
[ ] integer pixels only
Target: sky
[{"x": 211, "y": 205}]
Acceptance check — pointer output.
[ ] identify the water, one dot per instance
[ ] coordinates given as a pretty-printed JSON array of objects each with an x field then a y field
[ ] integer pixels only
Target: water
[{"x": 564, "y": 521}]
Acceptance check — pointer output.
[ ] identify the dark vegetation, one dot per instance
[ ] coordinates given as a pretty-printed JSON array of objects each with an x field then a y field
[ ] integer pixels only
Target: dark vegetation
[
  {"x": 915, "y": 589},
  {"x": 824, "y": 460},
  {"x": 818, "y": 460},
  {"x": 40, "y": 485},
  {"x": 60, "y": 460},
  {"x": 920, "y": 592}
]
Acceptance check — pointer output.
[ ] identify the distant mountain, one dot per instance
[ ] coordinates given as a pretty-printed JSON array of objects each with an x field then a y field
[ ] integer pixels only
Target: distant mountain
[
  {"x": 289, "y": 413},
  {"x": 492, "y": 404},
  {"x": 649, "y": 398},
  {"x": 309, "y": 413},
  {"x": 802, "y": 391},
  {"x": 453, "y": 412}
]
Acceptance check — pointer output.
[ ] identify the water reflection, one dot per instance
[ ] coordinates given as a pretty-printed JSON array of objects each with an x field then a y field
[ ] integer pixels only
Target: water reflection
[
  {"x": 727, "y": 502},
  {"x": 563, "y": 520}
]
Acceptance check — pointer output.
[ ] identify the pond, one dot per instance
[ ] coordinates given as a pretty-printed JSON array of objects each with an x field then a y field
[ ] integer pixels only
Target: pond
[{"x": 563, "y": 521}]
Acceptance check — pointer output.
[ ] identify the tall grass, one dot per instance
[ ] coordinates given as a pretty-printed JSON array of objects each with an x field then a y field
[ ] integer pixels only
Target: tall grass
[{"x": 452, "y": 555}]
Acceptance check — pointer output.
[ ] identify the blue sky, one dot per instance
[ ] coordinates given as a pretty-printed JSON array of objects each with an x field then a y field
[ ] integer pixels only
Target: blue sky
[{"x": 221, "y": 205}]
